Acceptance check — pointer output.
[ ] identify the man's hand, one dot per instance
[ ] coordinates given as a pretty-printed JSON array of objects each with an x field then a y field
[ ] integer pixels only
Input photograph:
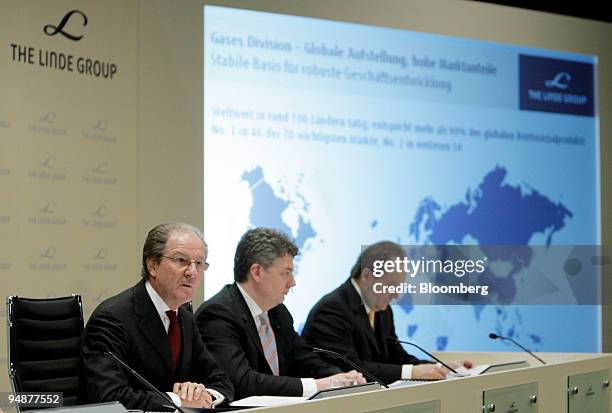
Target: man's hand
[
  {"x": 429, "y": 371},
  {"x": 353, "y": 375},
  {"x": 348, "y": 377},
  {"x": 468, "y": 364},
  {"x": 192, "y": 394}
]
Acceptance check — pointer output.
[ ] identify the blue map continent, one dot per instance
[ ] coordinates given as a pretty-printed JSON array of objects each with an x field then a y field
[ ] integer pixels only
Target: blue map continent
[
  {"x": 268, "y": 208},
  {"x": 495, "y": 213}
]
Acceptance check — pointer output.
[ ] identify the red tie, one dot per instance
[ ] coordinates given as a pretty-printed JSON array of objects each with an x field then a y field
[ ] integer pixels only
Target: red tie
[{"x": 174, "y": 337}]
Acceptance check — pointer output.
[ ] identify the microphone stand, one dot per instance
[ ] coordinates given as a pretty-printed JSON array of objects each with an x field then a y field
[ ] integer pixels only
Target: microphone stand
[
  {"x": 424, "y": 351},
  {"x": 143, "y": 380},
  {"x": 350, "y": 363},
  {"x": 496, "y": 336}
]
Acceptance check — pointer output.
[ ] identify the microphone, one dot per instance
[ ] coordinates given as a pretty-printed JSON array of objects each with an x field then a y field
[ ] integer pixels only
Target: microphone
[
  {"x": 424, "y": 351},
  {"x": 494, "y": 336},
  {"x": 143, "y": 380},
  {"x": 369, "y": 375}
]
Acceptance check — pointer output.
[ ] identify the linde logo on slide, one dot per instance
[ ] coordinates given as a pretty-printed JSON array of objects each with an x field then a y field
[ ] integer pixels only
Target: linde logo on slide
[
  {"x": 60, "y": 60},
  {"x": 560, "y": 81},
  {"x": 555, "y": 85}
]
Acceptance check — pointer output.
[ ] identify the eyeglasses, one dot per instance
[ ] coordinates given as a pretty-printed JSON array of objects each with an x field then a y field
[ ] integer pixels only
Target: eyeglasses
[{"x": 183, "y": 263}]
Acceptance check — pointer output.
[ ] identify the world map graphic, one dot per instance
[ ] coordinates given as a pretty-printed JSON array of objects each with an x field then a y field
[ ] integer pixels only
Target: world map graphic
[{"x": 492, "y": 213}]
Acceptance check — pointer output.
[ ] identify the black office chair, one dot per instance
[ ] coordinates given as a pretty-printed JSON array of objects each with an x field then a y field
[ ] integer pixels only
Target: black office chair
[{"x": 44, "y": 343}]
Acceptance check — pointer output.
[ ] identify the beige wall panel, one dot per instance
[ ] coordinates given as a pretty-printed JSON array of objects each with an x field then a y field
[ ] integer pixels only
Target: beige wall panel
[
  {"x": 170, "y": 176},
  {"x": 68, "y": 141}
]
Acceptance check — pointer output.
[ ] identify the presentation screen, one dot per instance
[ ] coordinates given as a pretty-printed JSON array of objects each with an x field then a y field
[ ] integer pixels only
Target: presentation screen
[{"x": 341, "y": 135}]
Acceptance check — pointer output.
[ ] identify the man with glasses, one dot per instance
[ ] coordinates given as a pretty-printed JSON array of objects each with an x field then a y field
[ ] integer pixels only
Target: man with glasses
[
  {"x": 147, "y": 328},
  {"x": 250, "y": 332}
]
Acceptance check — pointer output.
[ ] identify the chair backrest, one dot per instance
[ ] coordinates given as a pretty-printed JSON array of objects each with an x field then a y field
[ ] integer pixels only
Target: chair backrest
[{"x": 44, "y": 342}]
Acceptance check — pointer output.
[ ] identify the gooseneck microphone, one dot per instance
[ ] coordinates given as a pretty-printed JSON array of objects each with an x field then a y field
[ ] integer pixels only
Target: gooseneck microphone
[
  {"x": 424, "y": 351},
  {"x": 494, "y": 336},
  {"x": 142, "y": 380},
  {"x": 369, "y": 375}
]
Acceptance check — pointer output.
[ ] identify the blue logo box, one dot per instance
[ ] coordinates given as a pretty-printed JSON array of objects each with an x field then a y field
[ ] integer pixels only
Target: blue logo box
[{"x": 555, "y": 85}]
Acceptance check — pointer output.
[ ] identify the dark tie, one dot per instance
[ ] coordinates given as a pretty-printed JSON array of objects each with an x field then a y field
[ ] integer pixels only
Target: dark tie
[{"x": 174, "y": 337}]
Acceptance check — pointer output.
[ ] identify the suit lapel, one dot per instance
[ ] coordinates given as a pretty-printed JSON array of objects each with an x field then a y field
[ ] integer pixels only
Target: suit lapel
[
  {"x": 150, "y": 324},
  {"x": 360, "y": 314},
  {"x": 239, "y": 306}
]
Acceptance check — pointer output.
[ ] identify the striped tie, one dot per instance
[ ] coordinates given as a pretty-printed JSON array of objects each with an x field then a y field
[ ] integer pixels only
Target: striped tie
[{"x": 268, "y": 342}]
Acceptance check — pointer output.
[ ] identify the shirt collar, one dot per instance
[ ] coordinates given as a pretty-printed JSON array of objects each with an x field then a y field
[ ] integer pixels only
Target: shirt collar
[
  {"x": 158, "y": 302},
  {"x": 253, "y": 307},
  {"x": 354, "y": 282}
]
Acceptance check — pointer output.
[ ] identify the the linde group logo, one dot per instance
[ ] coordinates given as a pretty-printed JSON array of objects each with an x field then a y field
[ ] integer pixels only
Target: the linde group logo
[
  {"x": 555, "y": 85},
  {"x": 99, "y": 131},
  {"x": 71, "y": 27},
  {"x": 48, "y": 259},
  {"x": 46, "y": 170},
  {"x": 51, "y": 30},
  {"x": 99, "y": 175},
  {"x": 99, "y": 218},
  {"x": 47, "y": 125},
  {"x": 47, "y": 214},
  {"x": 101, "y": 260}
]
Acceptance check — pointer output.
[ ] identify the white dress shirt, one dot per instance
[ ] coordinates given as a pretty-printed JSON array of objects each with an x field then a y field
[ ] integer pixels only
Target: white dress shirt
[{"x": 309, "y": 385}]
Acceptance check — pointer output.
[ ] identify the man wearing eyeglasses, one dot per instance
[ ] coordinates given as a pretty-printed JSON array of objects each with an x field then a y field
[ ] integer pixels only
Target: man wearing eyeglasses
[
  {"x": 250, "y": 332},
  {"x": 146, "y": 327}
]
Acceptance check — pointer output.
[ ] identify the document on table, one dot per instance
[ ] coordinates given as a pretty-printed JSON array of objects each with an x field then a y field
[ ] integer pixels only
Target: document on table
[
  {"x": 491, "y": 368},
  {"x": 267, "y": 401}
]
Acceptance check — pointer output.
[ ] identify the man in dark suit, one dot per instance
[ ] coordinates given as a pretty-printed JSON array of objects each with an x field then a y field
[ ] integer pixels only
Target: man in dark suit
[
  {"x": 250, "y": 332},
  {"x": 146, "y": 328},
  {"x": 357, "y": 322}
]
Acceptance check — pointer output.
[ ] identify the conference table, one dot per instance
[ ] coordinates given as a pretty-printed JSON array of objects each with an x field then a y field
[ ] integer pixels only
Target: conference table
[{"x": 569, "y": 382}]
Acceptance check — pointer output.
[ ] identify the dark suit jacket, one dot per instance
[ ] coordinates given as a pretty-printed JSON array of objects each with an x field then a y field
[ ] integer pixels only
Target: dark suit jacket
[
  {"x": 340, "y": 323},
  {"x": 129, "y": 326},
  {"x": 229, "y": 331}
]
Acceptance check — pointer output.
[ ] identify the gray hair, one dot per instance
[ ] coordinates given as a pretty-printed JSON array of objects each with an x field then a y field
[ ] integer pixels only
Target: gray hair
[
  {"x": 155, "y": 244},
  {"x": 260, "y": 246},
  {"x": 383, "y": 250}
]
